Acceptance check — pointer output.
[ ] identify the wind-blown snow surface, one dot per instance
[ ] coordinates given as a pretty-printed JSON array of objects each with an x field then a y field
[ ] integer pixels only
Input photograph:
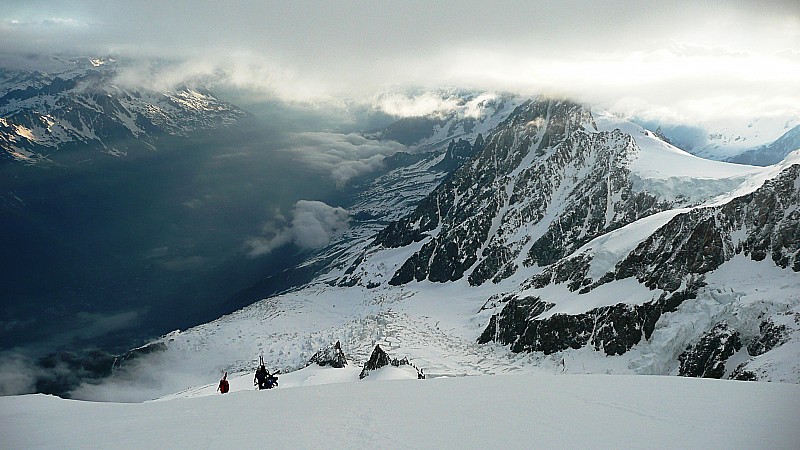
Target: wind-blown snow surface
[{"x": 514, "y": 411}]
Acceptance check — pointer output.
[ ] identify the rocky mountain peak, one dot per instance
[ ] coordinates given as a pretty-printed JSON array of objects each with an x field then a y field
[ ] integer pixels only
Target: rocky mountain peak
[{"x": 541, "y": 172}]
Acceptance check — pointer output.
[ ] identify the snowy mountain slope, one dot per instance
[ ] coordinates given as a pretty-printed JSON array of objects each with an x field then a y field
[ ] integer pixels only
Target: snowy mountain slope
[
  {"x": 412, "y": 176},
  {"x": 565, "y": 411},
  {"x": 725, "y": 244},
  {"x": 657, "y": 168},
  {"x": 549, "y": 179},
  {"x": 772, "y": 153},
  {"x": 639, "y": 277},
  {"x": 78, "y": 105},
  {"x": 724, "y": 139}
]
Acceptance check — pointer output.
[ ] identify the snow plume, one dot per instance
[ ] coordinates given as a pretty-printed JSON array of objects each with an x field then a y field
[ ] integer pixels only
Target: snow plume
[
  {"x": 342, "y": 156},
  {"x": 476, "y": 107},
  {"x": 313, "y": 225}
]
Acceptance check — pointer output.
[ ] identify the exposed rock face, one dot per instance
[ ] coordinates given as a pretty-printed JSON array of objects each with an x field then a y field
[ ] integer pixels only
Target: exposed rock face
[
  {"x": 742, "y": 374},
  {"x": 545, "y": 170},
  {"x": 610, "y": 329},
  {"x": 708, "y": 357},
  {"x": 771, "y": 336},
  {"x": 673, "y": 261},
  {"x": 378, "y": 359},
  {"x": 332, "y": 356},
  {"x": 457, "y": 153},
  {"x": 764, "y": 222}
]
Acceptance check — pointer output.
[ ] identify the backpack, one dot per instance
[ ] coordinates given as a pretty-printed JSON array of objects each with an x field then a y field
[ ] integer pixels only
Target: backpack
[{"x": 223, "y": 386}]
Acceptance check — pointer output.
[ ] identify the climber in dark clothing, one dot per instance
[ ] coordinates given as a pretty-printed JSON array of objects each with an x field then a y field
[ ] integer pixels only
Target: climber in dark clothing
[
  {"x": 261, "y": 377},
  {"x": 272, "y": 381}
]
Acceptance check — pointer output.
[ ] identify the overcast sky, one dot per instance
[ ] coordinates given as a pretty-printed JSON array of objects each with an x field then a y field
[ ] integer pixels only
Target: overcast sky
[{"x": 680, "y": 58}]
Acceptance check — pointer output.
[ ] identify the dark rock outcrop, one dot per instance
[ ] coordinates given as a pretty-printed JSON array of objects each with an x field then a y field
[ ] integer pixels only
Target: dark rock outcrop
[
  {"x": 707, "y": 358},
  {"x": 378, "y": 359},
  {"x": 332, "y": 356},
  {"x": 674, "y": 260},
  {"x": 611, "y": 329},
  {"x": 742, "y": 374},
  {"x": 770, "y": 336},
  {"x": 457, "y": 153}
]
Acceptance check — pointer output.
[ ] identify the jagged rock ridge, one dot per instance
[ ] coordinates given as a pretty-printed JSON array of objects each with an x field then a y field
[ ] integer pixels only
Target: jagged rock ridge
[
  {"x": 672, "y": 263},
  {"x": 544, "y": 183},
  {"x": 332, "y": 356},
  {"x": 377, "y": 359}
]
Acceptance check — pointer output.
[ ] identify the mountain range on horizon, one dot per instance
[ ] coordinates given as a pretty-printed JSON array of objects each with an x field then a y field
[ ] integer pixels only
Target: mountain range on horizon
[
  {"x": 79, "y": 104},
  {"x": 89, "y": 103}
]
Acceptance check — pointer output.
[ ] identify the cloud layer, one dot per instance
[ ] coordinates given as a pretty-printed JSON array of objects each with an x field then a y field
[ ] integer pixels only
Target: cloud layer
[
  {"x": 313, "y": 224},
  {"x": 682, "y": 58},
  {"x": 341, "y": 157}
]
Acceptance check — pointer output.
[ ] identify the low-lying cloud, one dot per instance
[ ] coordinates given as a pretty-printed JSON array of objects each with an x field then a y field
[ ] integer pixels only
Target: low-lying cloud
[
  {"x": 18, "y": 374},
  {"x": 54, "y": 373},
  {"x": 341, "y": 157},
  {"x": 313, "y": 225}
]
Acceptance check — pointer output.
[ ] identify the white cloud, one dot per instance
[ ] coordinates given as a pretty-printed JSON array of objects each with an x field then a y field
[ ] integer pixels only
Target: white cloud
[
  {"x": 693, "y": 59},
  {"x": 313, "y": 225},
  {"x": 341, "y": 156},
  {"x": 149, "y": 377},
  {"x": 427, "y": 103}
]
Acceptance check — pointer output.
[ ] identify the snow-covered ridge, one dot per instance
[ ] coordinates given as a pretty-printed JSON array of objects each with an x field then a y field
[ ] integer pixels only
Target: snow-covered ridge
[
  {"x": 670, "y": 172},
  {"x": 79, "y": 104},
  {"x": 619, "y": 412}
]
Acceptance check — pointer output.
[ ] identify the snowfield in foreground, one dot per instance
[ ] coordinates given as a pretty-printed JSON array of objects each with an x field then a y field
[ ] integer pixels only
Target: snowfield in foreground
[{"x": 504, "y": 411}]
